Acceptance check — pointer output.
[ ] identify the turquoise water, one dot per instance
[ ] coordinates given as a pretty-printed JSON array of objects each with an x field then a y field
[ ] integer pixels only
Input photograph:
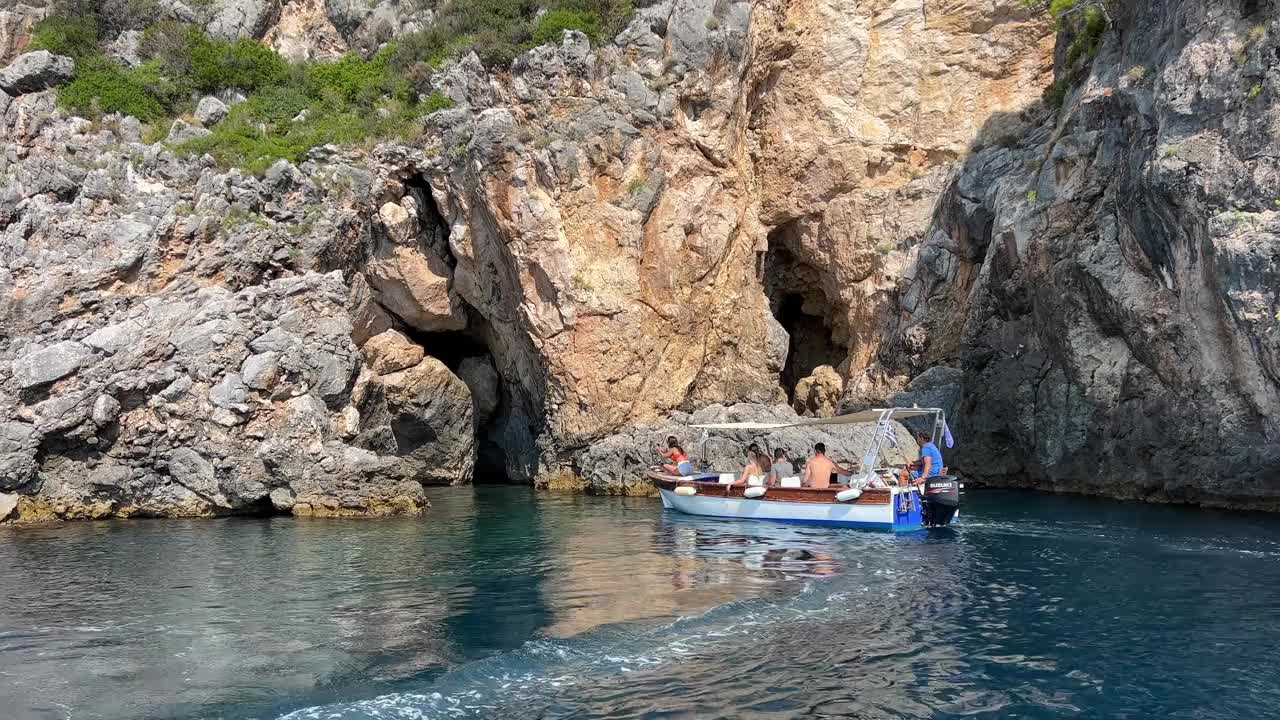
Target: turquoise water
[{"x": 506, "y": 604}]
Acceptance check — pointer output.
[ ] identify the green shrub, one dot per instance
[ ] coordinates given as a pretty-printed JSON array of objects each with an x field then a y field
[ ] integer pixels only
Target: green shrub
[
  {"x": 76, "y": 37},
  {"x": 243, "y": 64},
  {"x": 101, "y": 86},
  {"x": 434, "y": 102},
  {"x": 353, "y": 78},
  {"x": 553, "y": 23}
]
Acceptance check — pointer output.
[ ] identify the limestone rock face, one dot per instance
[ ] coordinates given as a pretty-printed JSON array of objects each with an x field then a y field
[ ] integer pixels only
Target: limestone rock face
[
  {"x": 1104, "y": 285},
  {"x": 756, "y": 204},
  {"x": 304, "y": 32},
  {"x": 16, "y": 22},
  {"x": 391, "y": 351},
  {"x": 35, "y": 71},
  {"x": 232, "y": 19}
]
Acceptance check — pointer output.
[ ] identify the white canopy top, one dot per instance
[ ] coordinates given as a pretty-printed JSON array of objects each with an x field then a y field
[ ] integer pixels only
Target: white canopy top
[{"x": 863, "y": 416}]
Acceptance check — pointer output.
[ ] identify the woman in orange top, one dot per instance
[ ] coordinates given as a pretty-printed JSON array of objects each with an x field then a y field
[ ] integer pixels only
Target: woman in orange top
[{"x": 679, "y": 464}]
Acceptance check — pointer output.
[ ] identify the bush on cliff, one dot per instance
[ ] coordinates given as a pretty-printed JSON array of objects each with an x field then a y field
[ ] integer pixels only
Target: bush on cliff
[
  {"x": 101, "y": 86},
  {"x": 75, "y": 37},
  {"x": 499, "y": 30},
  {"x": 292, "y": 108},
  {"x": 553, "y": 23}
]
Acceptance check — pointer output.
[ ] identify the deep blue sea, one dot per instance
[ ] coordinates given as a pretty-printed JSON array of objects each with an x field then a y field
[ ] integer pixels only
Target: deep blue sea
[{"x": 502, "y": 603}]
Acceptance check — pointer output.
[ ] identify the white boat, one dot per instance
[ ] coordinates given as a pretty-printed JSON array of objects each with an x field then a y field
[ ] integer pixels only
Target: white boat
[{"x": 870, "y": 499}]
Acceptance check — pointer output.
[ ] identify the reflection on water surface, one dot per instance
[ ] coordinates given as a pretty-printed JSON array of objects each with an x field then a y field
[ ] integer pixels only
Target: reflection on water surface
[{"x": 503, "y": 603}]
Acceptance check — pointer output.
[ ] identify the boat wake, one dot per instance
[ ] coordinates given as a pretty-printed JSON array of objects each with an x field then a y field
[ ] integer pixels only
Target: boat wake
[{"x": 543, "y": 673}]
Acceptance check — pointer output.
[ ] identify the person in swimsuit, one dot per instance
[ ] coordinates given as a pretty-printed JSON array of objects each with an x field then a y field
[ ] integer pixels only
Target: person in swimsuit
[
  {"x": 762, "y": 458},
  {"x": 818, "y": 471},
  {"x": 679, "y": 462},
  {"x": 753, "y": 468}
]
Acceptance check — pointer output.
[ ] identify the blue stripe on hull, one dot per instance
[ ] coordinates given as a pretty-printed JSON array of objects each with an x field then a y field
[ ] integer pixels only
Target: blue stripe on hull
[{"x": 833, "y": 523}]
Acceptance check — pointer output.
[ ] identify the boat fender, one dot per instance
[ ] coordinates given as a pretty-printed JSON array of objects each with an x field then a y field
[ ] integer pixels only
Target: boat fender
[
  {"x": 754, "y": 492},
  {"x": 850, "y": 494},
  {"x": 686, "y": 490}
]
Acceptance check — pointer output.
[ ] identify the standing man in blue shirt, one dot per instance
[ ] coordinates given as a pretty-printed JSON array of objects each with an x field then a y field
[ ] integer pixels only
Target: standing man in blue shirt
[{"x": 929, "y": 464}]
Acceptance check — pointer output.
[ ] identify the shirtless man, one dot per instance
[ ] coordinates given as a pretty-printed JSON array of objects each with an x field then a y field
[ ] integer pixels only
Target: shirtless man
[{"x": 817, "y": 472}]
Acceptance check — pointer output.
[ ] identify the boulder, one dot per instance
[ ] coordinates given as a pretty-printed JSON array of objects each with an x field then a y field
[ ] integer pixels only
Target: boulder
[
  {"x": 430, "y": 418},
  {"x": 182, "y": 131},
  {"x": 230, "y": 393},
  {"x": 391, "y": 351},
  {"x": 304, "y": 33},
  {"x": 819, "y": 394},
  {"x": 193, "y": 471},
  {"x": 105, "y": 410},
  {"x": 52, "y": 363},
  {"x": 35, "y": 71},
  {"x": 210, "y": 110},
  {"x": 116, "y": 337},
  {"x": 261, "y": 371},
  {"x": 234, "y": 19},
  {"x": 414, "y": 284},
  {"x": 8, "y": 504},
  {"x": 125, "y": 48}
]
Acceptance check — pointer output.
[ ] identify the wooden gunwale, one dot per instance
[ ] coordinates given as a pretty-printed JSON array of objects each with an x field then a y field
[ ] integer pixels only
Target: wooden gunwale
[{"x": 870, "y": 496}]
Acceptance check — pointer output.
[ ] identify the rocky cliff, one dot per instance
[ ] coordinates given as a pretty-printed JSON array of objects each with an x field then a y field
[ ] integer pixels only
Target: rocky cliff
[
  {"x": 808, "y": 202},
  {"x": 1106, "y": 282}
]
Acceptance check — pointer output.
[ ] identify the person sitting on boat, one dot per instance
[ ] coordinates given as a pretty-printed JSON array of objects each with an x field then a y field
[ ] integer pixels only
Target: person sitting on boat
[
  {"x": 929, "y": 464},
  {"x": 782, "y": 467},
  {"x": 679, "y": 464},
  {"x": 763, "y": 458},
  {"x": 820, "y": 468},
  {"x": 753, "y": 468}
]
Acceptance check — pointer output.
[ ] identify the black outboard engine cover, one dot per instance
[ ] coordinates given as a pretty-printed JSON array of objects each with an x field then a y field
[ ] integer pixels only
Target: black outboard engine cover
[{"x": 941, "y": 498}]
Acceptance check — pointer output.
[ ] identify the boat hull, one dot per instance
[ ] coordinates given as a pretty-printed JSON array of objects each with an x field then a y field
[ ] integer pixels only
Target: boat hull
[{"x": 877, "y": 516}]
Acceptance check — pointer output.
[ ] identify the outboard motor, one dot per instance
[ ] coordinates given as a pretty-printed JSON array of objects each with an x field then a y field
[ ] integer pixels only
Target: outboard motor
[{"x": 940, "y": 498}]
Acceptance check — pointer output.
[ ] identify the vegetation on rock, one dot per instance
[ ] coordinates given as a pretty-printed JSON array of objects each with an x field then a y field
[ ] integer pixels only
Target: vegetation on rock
[
  {"x": 291, "y": 108},
  {"x": 1084, "y": 22}
]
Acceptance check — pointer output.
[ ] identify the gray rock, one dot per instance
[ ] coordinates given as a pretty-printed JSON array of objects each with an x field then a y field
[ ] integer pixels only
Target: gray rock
[
  {"x": 105, "y": 410},
  {"x": 177, "y": 388},
  {"x": 485, "y": 385},
  {"x": 234, "y": 19},
  {"x": 230, "y": 393},
  {"x": 35, "y": 71},
  {"x": 261, "y": 371},
  {"x": 181, "y": 131},
  {"x": 115, "y": 338},
  {"x": 125, "y": 48},
  {"x": 210, "y": 110},
  {"x": 8, "y": 505},
  {"x": 52, "y": 363},
  {"x": 193, "y": 471}
]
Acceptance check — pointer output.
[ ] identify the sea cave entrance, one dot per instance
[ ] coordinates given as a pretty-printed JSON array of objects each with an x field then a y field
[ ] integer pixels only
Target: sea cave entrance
[{"x": 798, "y": 302}]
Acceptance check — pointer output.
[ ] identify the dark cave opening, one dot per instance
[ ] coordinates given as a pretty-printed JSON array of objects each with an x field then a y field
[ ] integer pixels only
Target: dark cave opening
[
  {"x": 797, "y": 300},
  {"x": 467, "y": 352}
]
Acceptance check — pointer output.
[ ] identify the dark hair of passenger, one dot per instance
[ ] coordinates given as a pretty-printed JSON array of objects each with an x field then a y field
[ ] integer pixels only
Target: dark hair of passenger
[
  {"x": 779, "y": 453},
  {"x": 925, "y": 436},
  {"x": 820, "y": 448},
  {"x": 672, "y": 442}
]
